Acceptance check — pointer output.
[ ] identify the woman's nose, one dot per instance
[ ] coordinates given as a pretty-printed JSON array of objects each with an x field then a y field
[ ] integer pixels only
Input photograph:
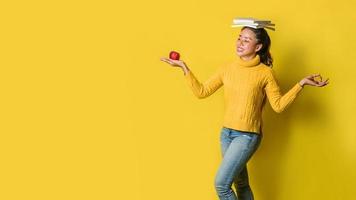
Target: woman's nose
[{"x": 238, "y": 43}]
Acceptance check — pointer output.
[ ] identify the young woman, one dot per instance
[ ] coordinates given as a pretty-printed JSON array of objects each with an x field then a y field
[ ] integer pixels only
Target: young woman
[{"x": 247, "y": 81}]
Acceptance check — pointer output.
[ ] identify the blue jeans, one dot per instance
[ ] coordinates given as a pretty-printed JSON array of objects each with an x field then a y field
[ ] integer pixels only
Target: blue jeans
[{"x": 237, "y": 147}]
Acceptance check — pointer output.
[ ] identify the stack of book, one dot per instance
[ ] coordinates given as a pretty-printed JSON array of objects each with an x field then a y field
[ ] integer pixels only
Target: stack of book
[{"x": 252, "y": 22}]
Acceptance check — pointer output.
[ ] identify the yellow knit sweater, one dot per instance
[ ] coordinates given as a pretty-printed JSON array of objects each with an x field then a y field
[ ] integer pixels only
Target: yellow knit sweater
[{"x": 246, "y": 85}]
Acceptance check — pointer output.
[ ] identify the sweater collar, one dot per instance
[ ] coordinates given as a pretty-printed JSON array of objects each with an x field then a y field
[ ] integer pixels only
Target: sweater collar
[{"x": 248, "y": 63}]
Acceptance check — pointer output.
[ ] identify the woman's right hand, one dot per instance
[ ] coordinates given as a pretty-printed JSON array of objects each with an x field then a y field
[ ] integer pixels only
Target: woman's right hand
[
  {"x": 174, "y": 63},
  {"x": 177, "y": 63}
]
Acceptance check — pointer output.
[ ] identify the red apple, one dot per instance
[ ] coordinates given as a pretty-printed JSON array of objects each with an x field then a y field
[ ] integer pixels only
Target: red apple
[{"x": 174, "y": 55}]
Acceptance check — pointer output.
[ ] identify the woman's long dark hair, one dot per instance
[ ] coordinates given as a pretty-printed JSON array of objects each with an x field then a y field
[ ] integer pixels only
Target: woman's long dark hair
[{"x": 263, "y": 38}]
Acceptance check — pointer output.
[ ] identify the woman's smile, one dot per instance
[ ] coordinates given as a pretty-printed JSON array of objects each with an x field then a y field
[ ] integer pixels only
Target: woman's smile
[{"x": 239, "y": 49}]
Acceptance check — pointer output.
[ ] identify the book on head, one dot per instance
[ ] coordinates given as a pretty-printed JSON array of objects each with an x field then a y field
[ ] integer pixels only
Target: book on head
[{"x": 252, "y": 22}]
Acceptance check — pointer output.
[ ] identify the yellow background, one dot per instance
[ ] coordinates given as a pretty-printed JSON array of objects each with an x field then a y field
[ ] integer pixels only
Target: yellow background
[{"x": 88, "y": 111}]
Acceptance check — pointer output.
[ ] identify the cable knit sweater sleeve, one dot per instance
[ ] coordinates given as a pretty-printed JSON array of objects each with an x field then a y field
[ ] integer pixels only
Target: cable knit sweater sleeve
[
  {"x": 203, "y": 90},
  {"x": 278, "y": 101}
]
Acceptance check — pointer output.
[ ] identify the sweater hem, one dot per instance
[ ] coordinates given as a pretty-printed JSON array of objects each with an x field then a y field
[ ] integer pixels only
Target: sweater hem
[{"x": 244, "y": 128}]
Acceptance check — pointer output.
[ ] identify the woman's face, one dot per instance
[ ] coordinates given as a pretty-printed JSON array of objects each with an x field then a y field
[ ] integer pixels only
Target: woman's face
[{"x": 246, "y": 45}]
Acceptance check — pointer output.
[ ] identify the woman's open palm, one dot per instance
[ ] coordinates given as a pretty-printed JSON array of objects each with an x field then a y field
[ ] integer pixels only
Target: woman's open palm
[
  {"x": 311, "y": 80},
  {"x": 174, "y": 63}
]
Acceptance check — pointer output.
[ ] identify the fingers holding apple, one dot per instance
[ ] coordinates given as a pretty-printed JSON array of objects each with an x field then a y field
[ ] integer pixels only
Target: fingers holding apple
[
  {"x": 174, "y": 59},
  {"x": 175, "y": 63}
]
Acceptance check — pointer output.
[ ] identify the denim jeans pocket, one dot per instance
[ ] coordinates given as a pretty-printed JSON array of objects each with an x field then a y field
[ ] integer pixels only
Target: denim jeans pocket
[{"x": 225, "y": 132}]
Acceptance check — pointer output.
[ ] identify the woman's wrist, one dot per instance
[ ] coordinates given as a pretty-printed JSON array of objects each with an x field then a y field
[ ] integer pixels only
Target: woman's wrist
[
  {"x": 302, "y": 83},
  {"x": 185, "y": 69}
]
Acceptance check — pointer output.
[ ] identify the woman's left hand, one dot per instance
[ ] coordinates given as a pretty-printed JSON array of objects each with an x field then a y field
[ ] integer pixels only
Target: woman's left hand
[{"x": 311, "y": 80}]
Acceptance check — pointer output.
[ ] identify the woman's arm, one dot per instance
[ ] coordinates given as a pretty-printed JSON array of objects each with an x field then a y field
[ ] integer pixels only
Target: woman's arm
[
  {"x": 203, "y": 90},
  {"x": 278, "y": 101},
  {"x": 200, "y": 90}
]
